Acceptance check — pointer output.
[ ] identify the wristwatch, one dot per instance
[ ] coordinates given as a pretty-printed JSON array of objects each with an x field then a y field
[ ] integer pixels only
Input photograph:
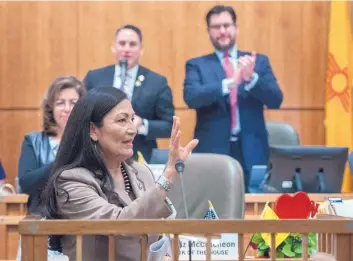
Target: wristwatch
[{"x": 164, "y": 183}]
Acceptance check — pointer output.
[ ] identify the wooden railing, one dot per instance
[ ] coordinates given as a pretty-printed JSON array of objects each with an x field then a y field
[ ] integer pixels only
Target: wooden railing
[
  {"x": 254, "y": 203},
  {"x": 13, "y": 205},
  {"x": 9, "y": 237},
  {"x": 335, "y": 236},
  {"x": 12, "y": 210}
]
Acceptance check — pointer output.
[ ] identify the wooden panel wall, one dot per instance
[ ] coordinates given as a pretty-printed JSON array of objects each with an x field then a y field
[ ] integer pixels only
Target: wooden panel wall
[{"x": 41, "y": 40}]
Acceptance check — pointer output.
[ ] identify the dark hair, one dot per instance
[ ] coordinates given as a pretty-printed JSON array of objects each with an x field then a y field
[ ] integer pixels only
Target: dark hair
[
  {"x": 220, "y": 9},
  {"x": 59, "y": 84},
  {"x": 77, "y": 149},
  {"x": 130, "y": 27}
]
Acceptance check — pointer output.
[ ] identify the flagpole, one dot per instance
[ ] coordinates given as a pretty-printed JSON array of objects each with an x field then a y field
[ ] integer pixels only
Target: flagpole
[{"x": 247, "y": 247}]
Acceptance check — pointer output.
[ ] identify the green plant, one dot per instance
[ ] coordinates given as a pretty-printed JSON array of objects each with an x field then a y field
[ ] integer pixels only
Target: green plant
[{"x": 290, "y": 247}]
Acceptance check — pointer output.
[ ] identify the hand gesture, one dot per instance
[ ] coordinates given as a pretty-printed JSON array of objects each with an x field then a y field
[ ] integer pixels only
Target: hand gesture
[
  {"x": 246, "y": 64},
  {"x": 237, "y": 77},
  {"x": 137, "y": 121},
  {"x": 177, "y": 152}
]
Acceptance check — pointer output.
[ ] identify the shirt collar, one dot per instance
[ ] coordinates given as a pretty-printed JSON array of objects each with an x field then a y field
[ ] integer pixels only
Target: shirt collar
[
  {"x": 132, "y": 72},
  {"x": 232, "y": 52}
]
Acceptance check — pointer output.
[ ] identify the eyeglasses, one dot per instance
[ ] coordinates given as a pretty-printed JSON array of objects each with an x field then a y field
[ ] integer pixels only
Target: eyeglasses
[
  {"x": 61, "y": 104},
  {"x": 219, "y": 26}
]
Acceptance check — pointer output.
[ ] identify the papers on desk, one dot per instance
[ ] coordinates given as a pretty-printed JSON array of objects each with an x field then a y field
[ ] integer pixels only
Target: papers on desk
[
  {"x": 340, "y": 207},
  {"x": 160, "y": 249}
]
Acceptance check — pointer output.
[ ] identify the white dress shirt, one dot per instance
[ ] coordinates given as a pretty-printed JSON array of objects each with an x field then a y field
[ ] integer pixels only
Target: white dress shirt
[
  {"x": 129, "y": 87},
  {"x": 228, "y": 83}
]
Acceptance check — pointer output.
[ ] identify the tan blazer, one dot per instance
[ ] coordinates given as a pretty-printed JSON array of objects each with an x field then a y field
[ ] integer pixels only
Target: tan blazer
[{"x": 87, "y": 201}]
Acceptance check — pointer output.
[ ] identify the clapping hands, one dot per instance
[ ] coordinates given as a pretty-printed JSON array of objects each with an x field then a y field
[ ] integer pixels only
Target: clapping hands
[{"x": 245, "y": 68}]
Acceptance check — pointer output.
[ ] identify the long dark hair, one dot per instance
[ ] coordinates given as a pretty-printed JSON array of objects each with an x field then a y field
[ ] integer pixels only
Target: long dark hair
[{"x": 78, "y": 150}]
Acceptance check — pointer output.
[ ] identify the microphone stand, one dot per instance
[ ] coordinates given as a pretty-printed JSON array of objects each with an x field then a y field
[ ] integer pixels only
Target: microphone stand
[{"x": 179, "y": 166}]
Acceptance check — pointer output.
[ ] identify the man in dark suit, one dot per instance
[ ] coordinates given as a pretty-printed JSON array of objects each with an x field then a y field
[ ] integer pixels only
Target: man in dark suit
[
  {"x": 228, "y": 89},
  {"x": 149, "y": 91}
]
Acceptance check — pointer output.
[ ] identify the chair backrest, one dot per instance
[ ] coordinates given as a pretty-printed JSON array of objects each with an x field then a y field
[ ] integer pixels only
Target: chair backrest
[
  {"x": 257, "y": 176},
  {"x": 350, "y": 162},
  {"x": 281, "y": 133},
  {"x": 159, "y": 156},
  {"x": 218, "y": 178}
]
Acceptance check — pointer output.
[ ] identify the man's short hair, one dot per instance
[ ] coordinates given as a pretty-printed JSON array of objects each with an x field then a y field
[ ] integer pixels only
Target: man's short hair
[
  {"x": 130, "y": 27},
  {"x": 220, "y": 9}
]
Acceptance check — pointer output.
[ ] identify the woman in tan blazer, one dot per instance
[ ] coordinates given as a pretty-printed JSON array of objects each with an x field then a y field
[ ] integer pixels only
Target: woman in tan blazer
[{"x": 93, "y": 177}]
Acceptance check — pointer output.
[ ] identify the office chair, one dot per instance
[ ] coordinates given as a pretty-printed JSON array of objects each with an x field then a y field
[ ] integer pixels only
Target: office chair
[
  {"x": 350, "y": 162},
  {"x": 281, "y": 133},
  {"x": 218, "y": 178}
]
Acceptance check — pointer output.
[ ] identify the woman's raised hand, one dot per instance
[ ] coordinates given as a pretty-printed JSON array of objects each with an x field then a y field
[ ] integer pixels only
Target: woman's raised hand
[{"x": 177, "y": 152}]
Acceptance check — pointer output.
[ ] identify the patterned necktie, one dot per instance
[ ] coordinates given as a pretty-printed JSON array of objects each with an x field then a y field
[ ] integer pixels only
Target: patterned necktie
[
  {"x": 123, "y": 86},
  {"x": 229, "y": 70}
]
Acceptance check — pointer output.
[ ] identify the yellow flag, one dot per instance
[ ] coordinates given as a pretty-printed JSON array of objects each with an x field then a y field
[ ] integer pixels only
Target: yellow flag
[
  {"x": 338, "y": 109},
  {"x": 140, "y": 158},
  {"x": 268, "y": 213}
]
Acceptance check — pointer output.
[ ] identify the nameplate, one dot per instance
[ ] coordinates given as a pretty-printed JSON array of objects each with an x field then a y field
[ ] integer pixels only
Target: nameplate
[{"x": 225, "y": 248}]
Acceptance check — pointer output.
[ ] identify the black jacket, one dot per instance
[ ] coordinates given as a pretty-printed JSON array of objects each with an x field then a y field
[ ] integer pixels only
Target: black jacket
[{"x": 34, "y": 168}]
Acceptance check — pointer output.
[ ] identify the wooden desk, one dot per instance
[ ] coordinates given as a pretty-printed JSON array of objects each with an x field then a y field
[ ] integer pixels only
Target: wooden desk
[
  {"x": 9, "y": 236},
  {"x": 13, "y": 205},
  {"x": 255, "y": 203}
]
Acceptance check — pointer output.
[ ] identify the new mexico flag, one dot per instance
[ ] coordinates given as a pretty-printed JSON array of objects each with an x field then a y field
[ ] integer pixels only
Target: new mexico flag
[
  {"x": 338, "y": 109},
  {"x": 268, "y": 213}
]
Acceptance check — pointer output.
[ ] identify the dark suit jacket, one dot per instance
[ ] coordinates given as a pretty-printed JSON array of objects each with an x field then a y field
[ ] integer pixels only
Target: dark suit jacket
[
  {"x": 203, "y": 92},
  {"x": 34, "y": 168},
  {"x": 152, "y": 100}
]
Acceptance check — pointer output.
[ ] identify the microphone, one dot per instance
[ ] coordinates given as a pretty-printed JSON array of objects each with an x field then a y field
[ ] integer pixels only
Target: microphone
[
  {"x": 179, "y": 166},
  {"x": 123, "y": 69}
]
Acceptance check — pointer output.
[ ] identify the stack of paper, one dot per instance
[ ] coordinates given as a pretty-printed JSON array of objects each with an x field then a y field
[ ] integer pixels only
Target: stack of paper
[{"x": 339, "y": 207}]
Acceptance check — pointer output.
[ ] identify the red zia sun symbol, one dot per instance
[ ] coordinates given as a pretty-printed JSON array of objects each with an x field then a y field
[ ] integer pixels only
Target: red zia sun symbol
[{"x": 337, "y": 83}]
